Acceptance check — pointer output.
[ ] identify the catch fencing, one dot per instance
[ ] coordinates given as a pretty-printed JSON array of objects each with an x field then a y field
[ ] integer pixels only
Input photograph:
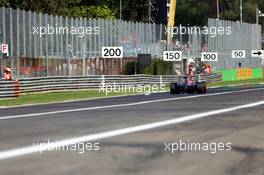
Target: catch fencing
[
  {"x": 63, "y": 46},
  {"x": 44, "y": 84},
  {"x": 244, "y": 36},
  {"x": 42, "y": 45}
]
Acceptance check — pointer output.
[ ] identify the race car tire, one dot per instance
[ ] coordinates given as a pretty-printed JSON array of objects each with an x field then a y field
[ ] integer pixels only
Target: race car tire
[
  {"x": 201, "y": 87},
  {"x": 174, "y": 88}
]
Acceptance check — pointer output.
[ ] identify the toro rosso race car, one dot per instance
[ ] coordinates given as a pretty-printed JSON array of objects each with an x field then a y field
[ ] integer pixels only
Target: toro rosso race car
[
  {"x": 188, "y": 85},
  {"x": 192, "y": 82}
]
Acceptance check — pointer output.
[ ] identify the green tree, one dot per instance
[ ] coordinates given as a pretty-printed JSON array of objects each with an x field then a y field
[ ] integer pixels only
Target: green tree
[
  {"x": 71, "y": 8},
  {"x": 135, "y": 10},
  {"x": 92, "y": 12},
  {"x": 189, "y": 14},
  {"x": 4, "y": 3}
]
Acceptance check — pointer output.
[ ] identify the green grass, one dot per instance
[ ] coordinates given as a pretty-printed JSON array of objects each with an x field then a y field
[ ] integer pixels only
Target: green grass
[
  {"x": 57, "y": 97},
  {"x": 49, "y": 97},
  {"x": 238, "y": 82}
]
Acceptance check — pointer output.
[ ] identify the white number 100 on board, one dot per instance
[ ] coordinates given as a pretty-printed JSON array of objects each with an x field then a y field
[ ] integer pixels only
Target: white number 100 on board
[{"x": 209, "y": 56}]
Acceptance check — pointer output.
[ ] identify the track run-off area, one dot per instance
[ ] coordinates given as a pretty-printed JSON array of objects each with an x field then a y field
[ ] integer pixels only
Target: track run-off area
[{"x": 134, "y": 134}]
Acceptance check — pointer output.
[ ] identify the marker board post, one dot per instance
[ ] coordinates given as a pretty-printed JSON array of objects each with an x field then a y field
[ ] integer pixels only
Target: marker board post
[{"x": 4, "y": 50}]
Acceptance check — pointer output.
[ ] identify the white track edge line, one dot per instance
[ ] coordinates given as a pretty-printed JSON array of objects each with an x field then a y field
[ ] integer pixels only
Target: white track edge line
[
  {"x": 93, "y": 137},
  {"x": 124, "y": 105}
]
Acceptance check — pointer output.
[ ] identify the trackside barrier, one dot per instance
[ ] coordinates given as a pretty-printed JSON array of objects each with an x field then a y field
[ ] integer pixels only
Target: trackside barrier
[
  {"x": 17, "y": 88},
  {"x": 31, "y": 85},
  {"x": 244, "y": 74},
  {"x": 258, "y": 73},
  {"x": 240, "y": 74},
  {"x": 9, "y": 89}
]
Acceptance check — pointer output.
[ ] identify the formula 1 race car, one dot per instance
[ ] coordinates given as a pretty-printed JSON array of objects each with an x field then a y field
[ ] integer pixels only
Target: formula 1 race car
[{"x": 188, "y": 85}]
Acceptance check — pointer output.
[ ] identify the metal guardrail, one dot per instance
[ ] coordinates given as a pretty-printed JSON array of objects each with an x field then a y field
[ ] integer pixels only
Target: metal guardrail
[
  {"x": 30, "y": 85},
  {"x": 9, "y": 89}
]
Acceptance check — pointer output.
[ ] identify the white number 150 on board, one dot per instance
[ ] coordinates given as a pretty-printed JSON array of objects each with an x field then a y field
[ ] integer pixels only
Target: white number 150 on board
[{"x": 172, "y": 56}]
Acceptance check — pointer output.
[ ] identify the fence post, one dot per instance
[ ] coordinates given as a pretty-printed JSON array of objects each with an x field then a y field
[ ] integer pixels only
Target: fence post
[
  {"x": 161, "y": 81},
  {"x": 102, "y": 84},
  {"x": 17, "y": 88}
]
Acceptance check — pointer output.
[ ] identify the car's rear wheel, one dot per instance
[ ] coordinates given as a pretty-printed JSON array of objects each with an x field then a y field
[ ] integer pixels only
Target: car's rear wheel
[
  {"x": 201, "y": 87},
  {"x": 174, "y": 88}
]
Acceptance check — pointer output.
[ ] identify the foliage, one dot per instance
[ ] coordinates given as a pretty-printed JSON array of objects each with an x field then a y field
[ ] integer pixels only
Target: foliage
[
  {"x": 135, "y": 10},
  {"x": 70, "y": 8},
  {"x": 92, "y": 12},
  {"x": 196, "y": 12},
  {"x": 129, "y": 68},
  {"x": 188, "y": 12},
  {"x": 157, "y": 67}
]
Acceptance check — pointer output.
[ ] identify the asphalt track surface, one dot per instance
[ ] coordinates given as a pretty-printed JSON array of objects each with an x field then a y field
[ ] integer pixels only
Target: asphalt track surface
[{"x": 142, "y": 152}]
